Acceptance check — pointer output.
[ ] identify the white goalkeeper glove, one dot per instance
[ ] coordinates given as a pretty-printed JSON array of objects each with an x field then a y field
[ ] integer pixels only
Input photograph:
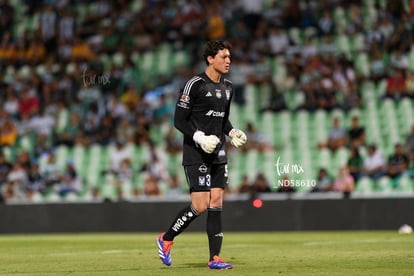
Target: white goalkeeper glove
[
  {"x": 207, "y": 143},
  {"x": 238, "y": 137}
]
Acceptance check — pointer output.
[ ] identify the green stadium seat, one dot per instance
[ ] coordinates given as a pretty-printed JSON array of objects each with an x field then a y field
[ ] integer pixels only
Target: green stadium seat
[
  {"x": 372, "y": 123},
  {"x": 173, "y": 163},
  {"x": 340, "y": 158},
  {"x": 343, "y": 44},
  {"x": 37, "y": 197},
  {"x": 341, "y": 20},
  {"x": 138, "y": 180},
  {"x": 62, "y": 156},
  {"x": 357, "y": 43},
  {"x": 62, "y": 120},
  {"x": 137, "y": 157},
  {"x": 127, "y": 190},
  {"x": 81, "y": 11},
  {"x": 384, "y": 185},
  {"x": 79, "y": 158},
  {"x": 86, "y": 196},
  {"x": 251, "y": 102},
  {"x": 252, "y": 165},
  {"x": 94, "y": 168},
  {"x": 9, "y": 73},
  {"x": 295, "y": 35},
  {"x": 108, "y": 190},
  {"x": 53, "y": 197},
  {"x": 235, "y": 168},
  {"x": 268, "y": 165},
  {"x": 32, "y": 22},
  {"x": 181, "y": 58},
  {"x": 135, "y": 57},
  {"x": 406, "y": 113},
  {"x": 389, "y": 122},
  {"x": 242, "y": 116},
  {"x": 320, "y": 122},
  {"x": 362, "y": 64},
  {"x": 370, "y": 14},
  {"x": 325, "y": 159},
  {"x": 381, "y": 88},
  {"x": 365, "y": 185},
  {"x": 310, "y": 31},
  {"x": 106, "y": 61},
  {"x": 164, "y": 59},
  {"x": 118, "y": 59},
  {"x": 406, "y": 184},
  {"x": 136, "y": 5},
  {"x": 72, "y": 198},
  {"x": 27, "y": 143}
]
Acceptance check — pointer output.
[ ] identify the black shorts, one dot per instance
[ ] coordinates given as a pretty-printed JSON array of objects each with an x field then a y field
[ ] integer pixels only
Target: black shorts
[{"x": 202, "y": 178}]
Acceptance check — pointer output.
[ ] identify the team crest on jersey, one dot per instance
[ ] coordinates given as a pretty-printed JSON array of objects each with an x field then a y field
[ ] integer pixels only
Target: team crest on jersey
[
  {"x": 218, "y": 94},
  {"x": 227, "y": 94}
]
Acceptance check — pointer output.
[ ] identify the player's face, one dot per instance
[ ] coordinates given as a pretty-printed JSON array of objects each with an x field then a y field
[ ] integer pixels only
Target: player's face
[{"x": 221, "y": 62}]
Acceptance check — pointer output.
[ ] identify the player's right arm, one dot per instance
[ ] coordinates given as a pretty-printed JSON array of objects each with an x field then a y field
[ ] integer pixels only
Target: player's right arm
[
  {"x": 184, "y": 107},
  {"x": 182, "y": 116}
]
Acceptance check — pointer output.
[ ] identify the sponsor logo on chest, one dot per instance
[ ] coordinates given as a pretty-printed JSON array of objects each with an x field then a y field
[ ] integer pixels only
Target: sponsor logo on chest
[{"x": 215, "y": 113}]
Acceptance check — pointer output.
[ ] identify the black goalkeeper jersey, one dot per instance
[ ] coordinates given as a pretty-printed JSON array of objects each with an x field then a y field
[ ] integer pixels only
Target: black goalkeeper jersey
[{"x": 204, "y": 105}]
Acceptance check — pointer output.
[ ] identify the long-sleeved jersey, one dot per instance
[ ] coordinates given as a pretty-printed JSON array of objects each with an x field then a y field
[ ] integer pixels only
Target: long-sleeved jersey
[{"x": 204, "y": 105}]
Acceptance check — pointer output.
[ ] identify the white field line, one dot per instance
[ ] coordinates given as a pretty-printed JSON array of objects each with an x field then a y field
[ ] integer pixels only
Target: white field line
[
  {"x": 329, "y": 242},
  {"x": 114, "y": 251}
]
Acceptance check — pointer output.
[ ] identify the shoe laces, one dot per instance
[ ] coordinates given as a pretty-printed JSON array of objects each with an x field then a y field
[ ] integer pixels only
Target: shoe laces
[
  {"x": 218, "y": 259},
  {"x": 167, "y": 246}
]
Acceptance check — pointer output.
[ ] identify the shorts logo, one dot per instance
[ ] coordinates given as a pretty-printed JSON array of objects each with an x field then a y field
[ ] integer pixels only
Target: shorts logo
[
  {"x": 222, "y": 153},
  {"x": 201, "y": 181},
  {"x": 202, "y": 168}
]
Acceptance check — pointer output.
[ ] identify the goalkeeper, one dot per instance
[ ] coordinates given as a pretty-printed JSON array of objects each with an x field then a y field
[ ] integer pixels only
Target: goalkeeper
[{"x": 202, "y": 115}]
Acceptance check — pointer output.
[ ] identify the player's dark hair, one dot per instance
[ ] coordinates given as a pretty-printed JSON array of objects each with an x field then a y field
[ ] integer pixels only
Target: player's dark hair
[{"x": 213, "y": 47}]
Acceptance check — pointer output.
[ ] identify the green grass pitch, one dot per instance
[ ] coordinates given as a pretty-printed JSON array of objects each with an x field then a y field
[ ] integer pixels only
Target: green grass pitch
[{"x": 267, "y": 253}]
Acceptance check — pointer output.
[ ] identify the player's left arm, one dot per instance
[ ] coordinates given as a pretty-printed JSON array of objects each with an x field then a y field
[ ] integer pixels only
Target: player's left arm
[{"x": 238, "y": 137}]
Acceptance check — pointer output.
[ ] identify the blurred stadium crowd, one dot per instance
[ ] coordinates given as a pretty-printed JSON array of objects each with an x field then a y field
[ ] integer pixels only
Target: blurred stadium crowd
[{"x": 88, "y": 90}]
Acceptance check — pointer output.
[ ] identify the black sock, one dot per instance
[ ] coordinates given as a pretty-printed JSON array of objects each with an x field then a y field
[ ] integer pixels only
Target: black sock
[
  {"x": 214, "y": 231},
  {"x": 183, "y": 219}
]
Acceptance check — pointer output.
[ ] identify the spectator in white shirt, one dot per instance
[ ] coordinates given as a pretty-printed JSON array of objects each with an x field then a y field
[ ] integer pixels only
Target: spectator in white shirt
[
  {"x": 17, "y": 181},
  {"x": 11, "y": 104},
  {"x": 278, "y": 41},
  {"x": 51, "y": 171},
  {"x": 374, "y": 163},
  {"x": 42, "y": 123},
  {"x": 117, "y": 156}
]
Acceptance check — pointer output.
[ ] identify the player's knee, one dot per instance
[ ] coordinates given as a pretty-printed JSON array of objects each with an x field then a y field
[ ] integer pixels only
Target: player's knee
[
  {"x": 216, "y": 201},
  {"x": 200, "y": 207}
]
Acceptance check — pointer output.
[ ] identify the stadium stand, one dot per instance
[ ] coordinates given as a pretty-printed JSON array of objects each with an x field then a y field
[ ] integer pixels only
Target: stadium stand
[{"x": 74, "y": 56}]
